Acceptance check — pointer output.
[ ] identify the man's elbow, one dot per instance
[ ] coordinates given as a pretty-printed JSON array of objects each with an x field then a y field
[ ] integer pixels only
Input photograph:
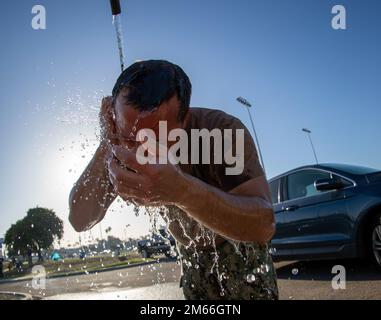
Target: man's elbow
[
  {"x": 74, "y": 215},
  {"x": 268, "y": 228},
  {"x": 264, "y": 232},
  {"x": 262, "y": 237},
  {"x": 75, "y": 221},
  {"x": 268, "y": 233},
  {"x": 77, "y": 225}
]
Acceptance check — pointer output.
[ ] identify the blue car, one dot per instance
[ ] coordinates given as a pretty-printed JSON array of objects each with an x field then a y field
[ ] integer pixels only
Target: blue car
[{"x": 327, "y": 211}]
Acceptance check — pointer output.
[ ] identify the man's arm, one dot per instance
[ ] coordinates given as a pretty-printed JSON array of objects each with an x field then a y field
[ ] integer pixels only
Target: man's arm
[
  {"x": 244, "y": 214},
  {"x": 92, "y": 194}
]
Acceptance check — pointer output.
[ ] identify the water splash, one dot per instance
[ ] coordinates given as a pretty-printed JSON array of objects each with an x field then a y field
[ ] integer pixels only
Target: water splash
[{"x": 250, "y": 278}]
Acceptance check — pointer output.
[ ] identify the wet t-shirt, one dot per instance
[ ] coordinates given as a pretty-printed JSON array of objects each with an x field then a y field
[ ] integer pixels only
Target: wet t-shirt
[
  {"x": 215, "y": 174},
  {"x": 242, "y": 270}
]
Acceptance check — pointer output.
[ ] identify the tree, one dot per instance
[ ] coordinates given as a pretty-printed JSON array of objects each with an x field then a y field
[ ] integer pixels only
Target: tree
[
  {"x": 114, "y": 243},
  {"x": 35, "y": 232},
  {"x": 17, "y": 239}
]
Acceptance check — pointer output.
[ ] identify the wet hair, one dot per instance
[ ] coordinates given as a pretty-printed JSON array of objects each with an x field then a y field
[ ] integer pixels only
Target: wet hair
[{"x": 152, "y": 82}]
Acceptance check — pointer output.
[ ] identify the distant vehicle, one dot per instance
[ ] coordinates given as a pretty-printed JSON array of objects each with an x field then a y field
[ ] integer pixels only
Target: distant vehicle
[
  {"x": 159, "y": 243},
  {"x": 82, "y": 255},
  {"x": 55, "y": 256},
  {"x": 327, "y": 211}
]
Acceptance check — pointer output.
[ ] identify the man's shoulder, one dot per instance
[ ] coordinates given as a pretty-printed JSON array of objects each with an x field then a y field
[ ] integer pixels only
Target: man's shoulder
[{"x": 213, "y": 118}]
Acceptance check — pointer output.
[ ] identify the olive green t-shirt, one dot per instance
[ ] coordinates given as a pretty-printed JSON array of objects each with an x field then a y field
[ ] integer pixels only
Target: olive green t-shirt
[
  {"x": 243, "y": 270},
  {"x": 215, "y": 174}
]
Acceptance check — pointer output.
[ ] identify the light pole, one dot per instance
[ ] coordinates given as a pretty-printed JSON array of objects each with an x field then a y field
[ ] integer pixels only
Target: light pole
[
  {"x": 248, "y": 106},
  {"x": 125, "y": 231},
  {"x": 312, "y": 145},
  {"x": 100, "y": 230}
]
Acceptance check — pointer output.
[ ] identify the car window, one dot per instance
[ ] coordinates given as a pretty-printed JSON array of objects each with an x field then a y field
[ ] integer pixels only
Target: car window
[
  {"x": 274, "y": 189},
  {"x": 301, "y": 184}
]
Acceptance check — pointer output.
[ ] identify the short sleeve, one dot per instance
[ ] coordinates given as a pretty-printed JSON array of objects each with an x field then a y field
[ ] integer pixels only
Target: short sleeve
[{"x": 247, "y": 168}]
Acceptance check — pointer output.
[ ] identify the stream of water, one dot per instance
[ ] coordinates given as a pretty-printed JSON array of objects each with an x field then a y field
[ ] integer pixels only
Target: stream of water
[{"x": 119, "y": 36}]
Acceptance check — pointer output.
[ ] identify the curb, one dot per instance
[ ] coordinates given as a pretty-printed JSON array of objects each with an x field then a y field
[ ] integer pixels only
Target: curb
[
  {"x": 22, "y": 296},
  {"x": 80, "y": 272}
]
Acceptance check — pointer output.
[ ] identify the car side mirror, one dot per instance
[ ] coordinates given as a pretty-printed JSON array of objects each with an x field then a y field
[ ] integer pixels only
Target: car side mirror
[{"x": 328, "y": 184}]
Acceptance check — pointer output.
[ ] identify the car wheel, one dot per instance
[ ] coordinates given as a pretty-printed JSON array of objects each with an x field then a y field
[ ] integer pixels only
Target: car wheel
[{"x": 376, "y": 240}]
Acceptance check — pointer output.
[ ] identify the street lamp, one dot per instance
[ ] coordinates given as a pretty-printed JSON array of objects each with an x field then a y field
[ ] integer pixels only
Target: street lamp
[
  {"x": 312, "y": 145},
  {"x": 100, "y": 230},
  {"x": 125, "y": 231},
  {"x": 248, "y": 106}
]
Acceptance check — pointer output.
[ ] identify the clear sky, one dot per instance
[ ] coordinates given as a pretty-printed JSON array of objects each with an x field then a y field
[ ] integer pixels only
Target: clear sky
[{"x": 283, "y": 56}]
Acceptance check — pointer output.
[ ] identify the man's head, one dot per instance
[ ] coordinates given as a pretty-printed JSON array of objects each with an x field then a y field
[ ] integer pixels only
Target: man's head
[{"x": 148, "y": 92}]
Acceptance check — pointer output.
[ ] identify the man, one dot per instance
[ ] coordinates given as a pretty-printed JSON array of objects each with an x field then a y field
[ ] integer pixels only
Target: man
[{"x": 222, "y": 222}]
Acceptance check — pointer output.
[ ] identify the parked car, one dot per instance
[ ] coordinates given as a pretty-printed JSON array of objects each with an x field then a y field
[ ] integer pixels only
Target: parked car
[
  {"x": 327, "y": 211},
  {"x": 159, "y": 243}
]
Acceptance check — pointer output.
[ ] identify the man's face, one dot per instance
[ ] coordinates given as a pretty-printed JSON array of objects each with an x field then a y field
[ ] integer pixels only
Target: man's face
[{"x": 129, "y": 120}]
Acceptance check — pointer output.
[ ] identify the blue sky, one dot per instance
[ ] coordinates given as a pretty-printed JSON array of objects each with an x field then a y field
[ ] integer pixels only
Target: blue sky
[{"x": 281, "y": 55}]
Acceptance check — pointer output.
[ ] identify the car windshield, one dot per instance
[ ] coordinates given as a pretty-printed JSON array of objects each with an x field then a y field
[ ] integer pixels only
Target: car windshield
[{"x": 356, "y": 170}]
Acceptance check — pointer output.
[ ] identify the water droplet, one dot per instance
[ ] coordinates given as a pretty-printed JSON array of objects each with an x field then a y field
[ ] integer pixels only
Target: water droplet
[
  {"x": 250, "y": 278},
  {"x": 265, "y": 268}
]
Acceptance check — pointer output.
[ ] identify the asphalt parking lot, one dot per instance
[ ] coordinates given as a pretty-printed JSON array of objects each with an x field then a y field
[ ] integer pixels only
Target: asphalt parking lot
[{"x": 296, "y": 280}]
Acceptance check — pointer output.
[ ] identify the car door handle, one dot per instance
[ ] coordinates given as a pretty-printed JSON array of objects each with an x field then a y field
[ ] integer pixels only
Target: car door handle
[{"x": 291, "y": 208}]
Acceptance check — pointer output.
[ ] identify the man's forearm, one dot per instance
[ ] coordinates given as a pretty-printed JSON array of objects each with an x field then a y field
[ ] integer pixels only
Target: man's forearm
[
  {"x": 241, "y": 218},
  {"x": 92, "y": 194}
]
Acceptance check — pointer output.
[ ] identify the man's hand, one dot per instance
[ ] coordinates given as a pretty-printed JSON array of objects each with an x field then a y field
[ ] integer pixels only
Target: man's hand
[
  {"x": 146, "y": 184},
  {"x": 107, "y": 121}
]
